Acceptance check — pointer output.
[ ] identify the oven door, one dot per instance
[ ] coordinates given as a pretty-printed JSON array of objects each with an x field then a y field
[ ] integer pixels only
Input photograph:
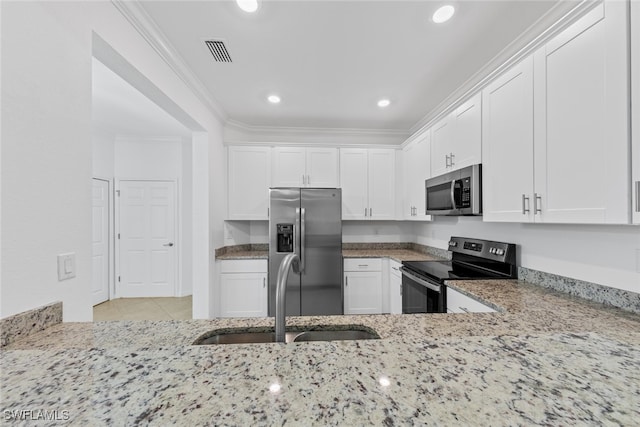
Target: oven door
[{"x": 420, "y": 295}]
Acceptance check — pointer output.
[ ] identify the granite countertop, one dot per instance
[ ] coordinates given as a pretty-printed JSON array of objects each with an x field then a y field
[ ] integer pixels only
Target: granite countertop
[
  {"x": 395, "y": 254},
  {"x": 545, "y": 359}
]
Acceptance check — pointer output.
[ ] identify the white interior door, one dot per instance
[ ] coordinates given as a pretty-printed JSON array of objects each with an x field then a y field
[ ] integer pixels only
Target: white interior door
[
  {"x": 147, "y": 239},
  {"x": 100, "y": 242}
]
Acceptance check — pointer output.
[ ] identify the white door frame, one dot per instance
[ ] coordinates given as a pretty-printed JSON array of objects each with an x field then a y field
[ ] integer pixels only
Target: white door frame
[
  {"x": 178, "y": 220},
  {"x": 110, "y": 236}
]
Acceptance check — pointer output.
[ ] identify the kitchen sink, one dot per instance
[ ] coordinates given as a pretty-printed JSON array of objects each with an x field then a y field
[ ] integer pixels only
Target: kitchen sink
[{"x": 266, "y": 335}]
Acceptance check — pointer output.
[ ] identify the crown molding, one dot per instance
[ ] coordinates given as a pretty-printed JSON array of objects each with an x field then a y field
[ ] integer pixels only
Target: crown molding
[
  {"x": 147, "y": 28},
  {"x": 559, "y": 17},
  {"x": 236, "y": 132}
]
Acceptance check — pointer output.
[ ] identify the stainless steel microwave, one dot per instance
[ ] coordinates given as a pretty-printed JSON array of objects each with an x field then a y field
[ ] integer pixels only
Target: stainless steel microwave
[{"x": 455, "y": 193}]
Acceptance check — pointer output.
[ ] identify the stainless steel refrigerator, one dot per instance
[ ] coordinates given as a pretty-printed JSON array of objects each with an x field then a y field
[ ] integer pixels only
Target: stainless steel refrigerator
[{"x": 307, "y": 220}]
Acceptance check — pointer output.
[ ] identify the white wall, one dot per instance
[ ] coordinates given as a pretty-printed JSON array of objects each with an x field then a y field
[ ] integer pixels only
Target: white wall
[
  {"x": 47, "y": 149},
  {"x": 103, "y": 146},
  {"x": 605, "y": 254},
  {"x": 137, "y": 158}
]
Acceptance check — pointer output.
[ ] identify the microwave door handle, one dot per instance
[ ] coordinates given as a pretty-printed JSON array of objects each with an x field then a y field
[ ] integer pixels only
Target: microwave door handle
[{"x": 453, "y": 194}]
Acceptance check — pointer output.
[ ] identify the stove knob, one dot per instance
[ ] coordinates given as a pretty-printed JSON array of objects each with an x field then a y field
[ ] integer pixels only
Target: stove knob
[
  {"x": 492, "y": 250},
  {"x": 453, "y": 243},
  {"x": 500, "y": 252}
]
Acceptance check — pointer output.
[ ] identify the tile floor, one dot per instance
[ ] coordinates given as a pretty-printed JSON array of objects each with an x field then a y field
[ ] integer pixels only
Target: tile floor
[{"x": 144, "y": 309}]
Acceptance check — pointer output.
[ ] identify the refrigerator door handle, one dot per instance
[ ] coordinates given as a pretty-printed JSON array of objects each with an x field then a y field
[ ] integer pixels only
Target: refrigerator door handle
[
  {"x": 296, "y": 242},
  {"x": 302, "y": 240}
]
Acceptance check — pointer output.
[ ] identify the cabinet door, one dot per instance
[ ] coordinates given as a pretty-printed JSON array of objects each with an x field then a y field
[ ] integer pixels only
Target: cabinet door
[
  {"x": 507, "y": 145},
  {"x": 322, "y": 167},
  {"x": 363, "y": 292},
  {"x": 289, "y": 167},
  {"x": 441, "y": 145},
  {"x": 382, "y": 183},
  {"x": 635, "y": 107},
  {"x": 243, "y": 295},
  {"x": 249, "y": 179},
  {"x": 582, "y": 140},
  {"x": 354, "y": 182},
  {"x": 416, "y": 161},
  {"x": 467, "y": 134},
  {"x": 395, "y": 288}
]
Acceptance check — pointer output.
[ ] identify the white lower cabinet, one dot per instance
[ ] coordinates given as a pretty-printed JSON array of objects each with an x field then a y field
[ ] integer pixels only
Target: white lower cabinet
[
  {"x": 460, "y": 303},
  {"x": 395, "y": 287},
  {"x": 243, "y": 288},
  {"x": 362, "y": 286}
]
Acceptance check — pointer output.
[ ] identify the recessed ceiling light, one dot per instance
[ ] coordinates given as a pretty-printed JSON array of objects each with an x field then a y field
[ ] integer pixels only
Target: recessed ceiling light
[
  {"x": 384, "y": 103},
  {"x": 443, "y": 14},
  {"x": 274, "y": 99},
  {"x": 248, "y": 5}
]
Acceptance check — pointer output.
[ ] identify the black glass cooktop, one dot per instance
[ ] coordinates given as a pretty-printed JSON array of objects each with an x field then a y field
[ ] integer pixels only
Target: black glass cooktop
[{"x": 448, "y": 270}]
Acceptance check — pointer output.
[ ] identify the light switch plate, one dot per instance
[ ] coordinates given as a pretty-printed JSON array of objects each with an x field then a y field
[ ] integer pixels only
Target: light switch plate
[{"x": 66, "y": 266}]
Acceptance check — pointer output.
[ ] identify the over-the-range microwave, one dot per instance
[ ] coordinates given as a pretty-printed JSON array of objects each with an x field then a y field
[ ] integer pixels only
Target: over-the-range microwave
[{"x": 455, "y": 193}]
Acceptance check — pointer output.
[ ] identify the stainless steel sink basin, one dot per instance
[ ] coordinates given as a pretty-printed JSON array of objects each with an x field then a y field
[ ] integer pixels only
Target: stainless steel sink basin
[
  {"x": 341, "y": 335},
  {"x": 256, "y": 335}
]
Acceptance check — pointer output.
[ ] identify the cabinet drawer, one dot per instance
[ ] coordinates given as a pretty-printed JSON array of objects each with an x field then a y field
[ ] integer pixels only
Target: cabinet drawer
[
  {"x": 460, "y": 303},
  {"x": 363, "y": 264},
  {"x": 243, "y": 266}
]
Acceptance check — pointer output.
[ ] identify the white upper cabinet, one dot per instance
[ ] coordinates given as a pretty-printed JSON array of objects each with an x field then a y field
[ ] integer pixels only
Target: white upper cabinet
[
  {"x": 322, "y": 167},
  {"x": 305, "y": 167},
  {"x": 582, "y": 121},
  {"x": 635, "y": 108},
  {"x": 507, "y": 149},
  {"x": 416, "y": 168},
  {"x": 457, "y": 139},
  {"x": 555, "y": 128},
  {"x": 367, "y": 179},
  {"x": 249, "y": 179}
]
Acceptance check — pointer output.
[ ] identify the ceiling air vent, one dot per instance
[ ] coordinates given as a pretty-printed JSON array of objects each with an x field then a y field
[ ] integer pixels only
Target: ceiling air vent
[{"x": 218, "y": 50}]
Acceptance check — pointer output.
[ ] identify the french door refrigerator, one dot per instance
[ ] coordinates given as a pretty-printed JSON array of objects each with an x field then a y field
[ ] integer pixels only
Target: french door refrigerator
[{"x": 309, "y": 221}]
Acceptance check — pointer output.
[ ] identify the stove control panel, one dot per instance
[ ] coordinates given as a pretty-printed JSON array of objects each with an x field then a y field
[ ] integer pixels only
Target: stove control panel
[{"x": 496, "y": 251}]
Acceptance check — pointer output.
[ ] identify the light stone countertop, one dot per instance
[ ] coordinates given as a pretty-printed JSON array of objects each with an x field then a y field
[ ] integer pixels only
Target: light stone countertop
[
  {"x": 395, "y": 254},
  {"x": 547, "y": 359}
]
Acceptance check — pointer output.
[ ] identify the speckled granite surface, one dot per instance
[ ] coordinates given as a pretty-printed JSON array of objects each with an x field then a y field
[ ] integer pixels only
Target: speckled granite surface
[
  {"x": 397, "y": 251},
  {"x": 547, "y": 359},
  {"x": 23, "y": 324}
]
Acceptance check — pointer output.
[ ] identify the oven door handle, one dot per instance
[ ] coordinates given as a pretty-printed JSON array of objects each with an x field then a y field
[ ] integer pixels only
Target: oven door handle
[{"x": 420, "y": 281}]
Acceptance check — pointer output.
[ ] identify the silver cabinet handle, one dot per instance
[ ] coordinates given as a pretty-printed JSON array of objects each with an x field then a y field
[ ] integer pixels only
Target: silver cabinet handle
[
  {"x": 168, "y": 244},
  {"x": 451, "y": 157},
  {"x": 446, "y": 161},
  {"x": 525, "y": 204},
  {"x": 365, "y": 211},
  {"x": 466, "y": 310},
  {"x": 637, "y": 196},
  {"x": 308, "y": 179},
  {"x": 537, "y": 208},
  {"x": 303, "y": 180},
  {"x": 363, "y": 265},
  {"x": 370, "y": 211},
  {"x": 264, "y": 282},
  {"x": 346, "y": 281}
]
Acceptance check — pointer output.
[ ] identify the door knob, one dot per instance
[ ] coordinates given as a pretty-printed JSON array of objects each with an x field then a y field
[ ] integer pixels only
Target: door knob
[{"x": 168, "y": 244}]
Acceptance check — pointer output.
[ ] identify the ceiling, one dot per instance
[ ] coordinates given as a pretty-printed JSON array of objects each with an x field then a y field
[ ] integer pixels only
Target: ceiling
[{"x": 331, "y": 61}]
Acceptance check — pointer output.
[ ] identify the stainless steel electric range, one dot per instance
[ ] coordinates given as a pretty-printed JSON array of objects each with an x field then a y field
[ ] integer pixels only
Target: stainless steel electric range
[{"x": 423, "y": 282}]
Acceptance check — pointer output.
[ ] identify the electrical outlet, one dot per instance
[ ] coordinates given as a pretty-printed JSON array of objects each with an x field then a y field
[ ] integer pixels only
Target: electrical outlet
[{"x": 66, "y": 266}]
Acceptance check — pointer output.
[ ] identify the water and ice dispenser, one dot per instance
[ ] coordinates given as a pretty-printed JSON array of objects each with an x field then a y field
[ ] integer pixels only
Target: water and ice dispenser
[{"x": 285, "y": 237}]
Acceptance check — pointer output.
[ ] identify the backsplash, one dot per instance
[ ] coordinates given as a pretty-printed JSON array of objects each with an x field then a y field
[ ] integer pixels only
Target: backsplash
[
  {"x": 22, "y": 324},
  {"x": 625, "y": 300}
]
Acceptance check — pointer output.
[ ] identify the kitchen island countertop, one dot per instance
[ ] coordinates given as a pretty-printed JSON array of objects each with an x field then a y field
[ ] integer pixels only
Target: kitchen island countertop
[{"x": 547, "y": 358}]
